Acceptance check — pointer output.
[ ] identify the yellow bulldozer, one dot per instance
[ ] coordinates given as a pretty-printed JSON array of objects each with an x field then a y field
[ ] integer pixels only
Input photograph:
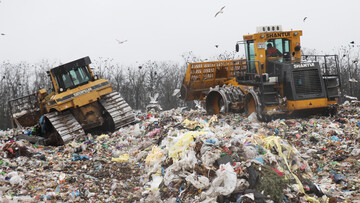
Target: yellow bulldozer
[
  {"x": 273, "y": 79},
  {"x": 79, "y": 102}
]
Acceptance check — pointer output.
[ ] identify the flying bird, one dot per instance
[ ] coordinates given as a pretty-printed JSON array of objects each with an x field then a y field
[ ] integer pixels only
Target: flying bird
[
  {"x": 221, "y": 11},
  {"x": 217, "y": 46},
  {"x": 154, "y": 98},
  {"x": 352, "y": 42},
  {"x": 121, "y": 42},
  {"x": 304, "y": 19},
  {"x": 2, "y": 34},
  {"x": 176, "y": 92}
]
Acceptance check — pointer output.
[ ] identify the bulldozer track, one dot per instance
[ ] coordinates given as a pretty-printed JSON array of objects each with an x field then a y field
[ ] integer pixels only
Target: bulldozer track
[
  {"x": 66, "y": 125},
  {"x": 118, "y": 108}
]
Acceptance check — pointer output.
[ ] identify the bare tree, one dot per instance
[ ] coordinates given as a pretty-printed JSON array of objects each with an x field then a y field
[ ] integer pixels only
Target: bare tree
[
  {"x": 14, "y": 83},
  {"x": 348, "y": 59},
  {"x": 41, "y": 77}
]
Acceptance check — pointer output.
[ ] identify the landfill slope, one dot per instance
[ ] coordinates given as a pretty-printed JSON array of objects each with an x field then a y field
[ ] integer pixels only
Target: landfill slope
[{"x": 189, "y": 156}]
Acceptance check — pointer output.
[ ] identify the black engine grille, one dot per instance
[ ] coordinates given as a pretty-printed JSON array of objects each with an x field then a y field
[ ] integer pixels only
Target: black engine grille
[{"x": 307, "y": 81}]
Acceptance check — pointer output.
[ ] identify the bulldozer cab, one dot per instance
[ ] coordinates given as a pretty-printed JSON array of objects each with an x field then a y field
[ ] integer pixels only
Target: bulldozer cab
[{"x": 71, "y": 75}]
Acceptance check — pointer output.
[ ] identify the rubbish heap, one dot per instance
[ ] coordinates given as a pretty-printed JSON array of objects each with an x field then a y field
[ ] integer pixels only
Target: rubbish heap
[{"x": 189, "y": 156}]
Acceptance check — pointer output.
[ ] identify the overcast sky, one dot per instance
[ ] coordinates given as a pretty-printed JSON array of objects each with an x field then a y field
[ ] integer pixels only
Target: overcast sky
[{"x": 158, "y": 30}]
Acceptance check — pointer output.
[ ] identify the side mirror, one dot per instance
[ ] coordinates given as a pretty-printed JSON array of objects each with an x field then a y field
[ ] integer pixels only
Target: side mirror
[{"x": 237, "y": 47}]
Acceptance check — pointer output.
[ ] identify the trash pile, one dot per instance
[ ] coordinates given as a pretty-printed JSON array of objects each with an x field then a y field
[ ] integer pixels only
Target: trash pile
[{"x": 189, "y": 156}]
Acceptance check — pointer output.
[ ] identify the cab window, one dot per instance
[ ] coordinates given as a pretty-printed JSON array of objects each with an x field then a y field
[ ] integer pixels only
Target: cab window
[
  {"x": 73, "y": 78},
  {"x": 250, "y": 55},
  {"x": 282, "y": 45}
]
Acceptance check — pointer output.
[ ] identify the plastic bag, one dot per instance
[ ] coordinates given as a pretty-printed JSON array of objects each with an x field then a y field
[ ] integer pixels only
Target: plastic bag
[
  {"x": 250, "y": 152},
  {"x": 200, "y": 182},
  {"x": 225, "y": 182},
  {"x": 189, "y": 160},
  {"x": 355, "y": 152},
  {"x": 16, "y": 180},
  {"x": 174, "y": 171},
  {"x": 136, "y": 132},
  {"x": 171, "y": 173},
  {"x": 210, "y": 157},
  {"x": 253, "y": 118},
  {"x": 182, "y": 144},
  {"x": 122, "y": 158},
  {"x": 155, "y": 156},
  {"x": 156, "y": 181},
  {"x": 192, "y": 124}
]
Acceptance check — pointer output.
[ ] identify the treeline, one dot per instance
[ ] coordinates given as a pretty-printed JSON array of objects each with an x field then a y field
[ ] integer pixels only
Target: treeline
[{"x": 138, "y": 83}]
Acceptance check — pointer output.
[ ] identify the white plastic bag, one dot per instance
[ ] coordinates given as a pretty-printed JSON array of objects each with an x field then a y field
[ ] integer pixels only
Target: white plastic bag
[
  {"x": 250, "y": 152},
  {"x": 253, "y": 118},
  {"x": 210, "y": 157},
  {"x": 225, "y": 182},
  {"x": 16, "y": 180},
  {"x": 170, "y": 173},
  {"x": 200, "y": 182},
  {"x": 156, "y": 181},
  {"x": 188, "y": 161},
  {"x": 355, "y": 152}
]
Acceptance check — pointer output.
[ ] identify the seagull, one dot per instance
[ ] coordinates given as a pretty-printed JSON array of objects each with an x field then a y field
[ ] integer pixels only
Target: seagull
[
  {"x": 304, "y": 19},
  {"x": 154, "y": 98},
  {"x": 352, "y": 80},
  {"x": 221, "y": 11},
  {"x": 198, "y": 105},
  {"x": 176, "y": 92},
  {"x": 121, "y": 42}
]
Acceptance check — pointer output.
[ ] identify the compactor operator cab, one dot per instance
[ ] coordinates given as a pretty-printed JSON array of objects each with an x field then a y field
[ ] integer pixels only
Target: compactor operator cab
[
  {"x": 270, "y": 43},
  {"x": 71, "y": 75}
]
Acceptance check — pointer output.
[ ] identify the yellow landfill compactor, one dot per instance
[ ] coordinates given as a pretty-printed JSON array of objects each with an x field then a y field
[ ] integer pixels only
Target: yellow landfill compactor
[
  {"x": 79, "y": 102},
  {"x": 274, "y": 79}
]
